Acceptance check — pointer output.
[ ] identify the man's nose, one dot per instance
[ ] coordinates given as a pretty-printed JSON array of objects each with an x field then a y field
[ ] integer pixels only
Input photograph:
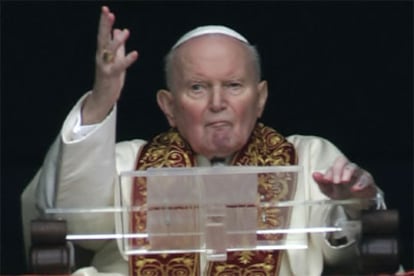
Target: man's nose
[{"x": 218, "y": 99}]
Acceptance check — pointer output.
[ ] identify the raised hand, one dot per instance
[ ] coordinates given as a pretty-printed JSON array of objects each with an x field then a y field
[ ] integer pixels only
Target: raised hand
[{"x": 111, "y": 64}]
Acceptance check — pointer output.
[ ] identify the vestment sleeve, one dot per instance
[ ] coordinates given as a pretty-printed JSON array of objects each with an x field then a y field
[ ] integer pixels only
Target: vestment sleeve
[
  {"x": 76, "y": 173},
  {"x": 318, "y": 154}
]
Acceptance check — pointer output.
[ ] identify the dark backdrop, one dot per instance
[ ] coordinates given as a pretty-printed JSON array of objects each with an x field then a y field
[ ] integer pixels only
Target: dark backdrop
[{"x": 341, "y": 70}]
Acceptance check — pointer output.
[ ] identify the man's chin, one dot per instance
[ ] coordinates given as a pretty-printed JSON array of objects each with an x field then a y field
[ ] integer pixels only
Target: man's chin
[
  {"x": 220, "y": 148},
  {"x": 222, "y": 152}
]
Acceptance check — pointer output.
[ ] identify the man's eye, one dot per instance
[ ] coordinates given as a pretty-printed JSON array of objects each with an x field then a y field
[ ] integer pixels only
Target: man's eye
[
  {"x": 197, "y": 90},
  {"x": 235, "y": 85},
  {"x": 196, "y": 87}
]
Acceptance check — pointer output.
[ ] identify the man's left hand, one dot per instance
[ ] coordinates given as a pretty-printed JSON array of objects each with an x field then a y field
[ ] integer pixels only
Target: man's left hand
[{"x": 344, "y": 180}]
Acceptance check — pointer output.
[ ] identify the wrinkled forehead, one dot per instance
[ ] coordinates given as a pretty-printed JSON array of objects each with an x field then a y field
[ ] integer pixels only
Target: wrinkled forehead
[{"x": 210, "y": 29}]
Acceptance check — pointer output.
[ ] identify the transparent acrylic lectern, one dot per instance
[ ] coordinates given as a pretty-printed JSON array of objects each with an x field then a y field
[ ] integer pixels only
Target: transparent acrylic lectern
[{"x": 210, "y": 210}]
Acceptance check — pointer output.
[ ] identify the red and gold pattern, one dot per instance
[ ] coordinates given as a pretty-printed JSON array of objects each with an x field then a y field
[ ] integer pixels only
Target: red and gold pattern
[
  {"x": 247, "y": 263},
  {"x": 266, "y": 147}
]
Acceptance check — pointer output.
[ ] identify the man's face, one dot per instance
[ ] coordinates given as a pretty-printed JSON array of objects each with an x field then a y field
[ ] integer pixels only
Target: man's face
[{"x": 216, "y": 97}]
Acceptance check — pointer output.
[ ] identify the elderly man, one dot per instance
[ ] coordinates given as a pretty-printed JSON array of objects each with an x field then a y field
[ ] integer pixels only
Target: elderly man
[{"x": 215, "y": 96}]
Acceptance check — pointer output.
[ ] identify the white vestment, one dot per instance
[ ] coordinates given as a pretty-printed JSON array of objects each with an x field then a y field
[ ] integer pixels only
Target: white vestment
[{"x": 84, "y": 173}]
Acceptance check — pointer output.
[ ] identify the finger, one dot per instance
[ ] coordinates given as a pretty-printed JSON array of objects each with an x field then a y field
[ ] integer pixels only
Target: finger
[
  {"x": 124, "y": 61},
  {"x": 130, "y": 58},
  {"x": 330, "y": 189},
  {"x": 119, "y": 39},
  {"x": 328, "y": 176},
  {"x": 320, "y": 178},
  {"x": 350, "y": 170},
  {"x": 364, "y": 181},
  {"x": 119, "y": 54},
  {"x": 106, "y": 22},
  {"x": 324, "y": 185},
  {"x": 114, "y": 51},
  {"x": 337, "y": 169}
]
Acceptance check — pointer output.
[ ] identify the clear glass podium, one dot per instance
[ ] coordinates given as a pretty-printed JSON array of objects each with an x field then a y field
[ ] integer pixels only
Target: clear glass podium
[{"x": 210, "y": 210}]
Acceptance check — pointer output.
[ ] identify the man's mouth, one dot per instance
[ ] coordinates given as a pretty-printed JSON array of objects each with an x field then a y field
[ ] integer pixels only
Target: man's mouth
[{"x": 218, "y": 124}]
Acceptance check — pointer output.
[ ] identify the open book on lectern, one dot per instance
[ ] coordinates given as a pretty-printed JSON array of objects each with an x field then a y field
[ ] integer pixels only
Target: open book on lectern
[{"x": 210, "y": 210}]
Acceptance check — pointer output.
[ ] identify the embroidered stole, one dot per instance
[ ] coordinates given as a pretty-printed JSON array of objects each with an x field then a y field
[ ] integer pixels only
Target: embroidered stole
[{"x": 266, "y": 147}]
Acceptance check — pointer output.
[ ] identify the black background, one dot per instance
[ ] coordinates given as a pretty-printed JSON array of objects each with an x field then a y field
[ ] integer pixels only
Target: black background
[{"x": 341, "y": 70}]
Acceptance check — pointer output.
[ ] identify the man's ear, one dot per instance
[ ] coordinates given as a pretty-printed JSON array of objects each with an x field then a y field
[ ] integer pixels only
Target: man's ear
[
  {"x": 262, "y": 90},
  {"x": 165, "y": 102}
]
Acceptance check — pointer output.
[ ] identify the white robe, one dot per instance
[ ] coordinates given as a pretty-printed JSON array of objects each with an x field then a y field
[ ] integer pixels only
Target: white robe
[{"x": 84, "y": 173}]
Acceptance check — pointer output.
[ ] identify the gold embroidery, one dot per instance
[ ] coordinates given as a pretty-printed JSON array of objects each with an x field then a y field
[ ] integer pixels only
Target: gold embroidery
[
  {"x": 245, "y": 257},
  {"x": 166, "y": 150},
  {"x": 265, "y": 148},
  {"x": 266, "y": 264},
  {"x": 166, "y": 265}
]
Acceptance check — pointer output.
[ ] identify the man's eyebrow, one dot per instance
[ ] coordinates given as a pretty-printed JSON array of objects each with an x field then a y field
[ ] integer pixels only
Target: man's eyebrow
[{"x": 192, "y": 80}]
